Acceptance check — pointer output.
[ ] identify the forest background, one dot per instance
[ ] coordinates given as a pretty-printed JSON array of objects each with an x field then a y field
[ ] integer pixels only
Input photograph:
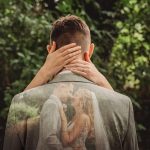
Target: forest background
[{"x": 119, "y": 29}]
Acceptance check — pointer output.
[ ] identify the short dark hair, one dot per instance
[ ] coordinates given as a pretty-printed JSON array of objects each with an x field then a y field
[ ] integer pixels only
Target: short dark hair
[{"x": 69, "y": 29}]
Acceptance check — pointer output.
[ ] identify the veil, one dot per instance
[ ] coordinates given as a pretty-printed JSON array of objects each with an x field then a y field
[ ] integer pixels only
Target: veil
[{"x": 101, "y": 138}]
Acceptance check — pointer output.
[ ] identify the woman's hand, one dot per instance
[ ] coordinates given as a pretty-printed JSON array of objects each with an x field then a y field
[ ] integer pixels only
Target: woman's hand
[
  {"x": 89, "y": 71},
  {"x": 55, "y": 61}
]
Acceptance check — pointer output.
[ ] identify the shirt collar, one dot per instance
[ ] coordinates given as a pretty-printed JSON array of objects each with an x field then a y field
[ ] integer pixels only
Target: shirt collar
[{"x": 68, "y": 76}]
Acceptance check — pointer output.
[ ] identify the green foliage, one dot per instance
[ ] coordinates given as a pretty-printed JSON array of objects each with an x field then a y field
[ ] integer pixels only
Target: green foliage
[
  {"x": 130, "y": 58},
  {"x": 120, "y": 34},
  {"x": 22, "y": 110},
  {"x": 24, "y": 35}
]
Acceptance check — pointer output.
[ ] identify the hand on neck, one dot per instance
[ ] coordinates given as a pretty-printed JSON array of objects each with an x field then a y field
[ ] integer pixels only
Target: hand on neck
[{"x": 81, "y": 57}]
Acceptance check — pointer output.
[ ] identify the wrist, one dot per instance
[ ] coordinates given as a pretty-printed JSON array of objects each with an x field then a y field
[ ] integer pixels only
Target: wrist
[
  {"x": 46, "y": 72},
  {"x": 102, "y": 81}
]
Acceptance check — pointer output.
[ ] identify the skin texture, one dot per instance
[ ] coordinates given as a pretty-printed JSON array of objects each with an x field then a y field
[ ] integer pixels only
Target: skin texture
[
  {"x": 88, "y": 70},
  {"x": 71, "y": 58},
  {"x": 55, "y": 61},
  {"x": 68, "y": 136},
  {"x": 81, "y": 122}
]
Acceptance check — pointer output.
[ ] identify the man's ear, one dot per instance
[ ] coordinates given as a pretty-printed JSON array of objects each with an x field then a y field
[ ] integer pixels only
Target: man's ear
[
  {"x": 91, "y": 49},
  {"x": 51, "y": 47},
  {"x": 88, "y": 54},
  {"x": 48, "y": 48}
]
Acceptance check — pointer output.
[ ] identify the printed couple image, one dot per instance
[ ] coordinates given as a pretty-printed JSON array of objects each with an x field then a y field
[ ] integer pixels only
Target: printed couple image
[{"x": 67, "y": 119}]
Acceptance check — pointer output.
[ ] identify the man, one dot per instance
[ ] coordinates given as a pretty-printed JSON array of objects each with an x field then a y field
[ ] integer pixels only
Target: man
[
  {"x": 50, "y": 122},
  {"x": 115, "y": 109}
]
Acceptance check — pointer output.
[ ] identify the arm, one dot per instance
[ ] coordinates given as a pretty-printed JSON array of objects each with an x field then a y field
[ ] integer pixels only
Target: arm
[
  {"x": 69, "y": 136},
  {"x": 55, "y": 61},
  {"x": 88, "y": 70},
  {"x": 41, "y": 78},
  {"x": 130, "y": 141}
]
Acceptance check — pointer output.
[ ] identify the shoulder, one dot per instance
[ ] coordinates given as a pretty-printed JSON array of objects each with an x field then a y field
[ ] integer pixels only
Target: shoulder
[
  {"x": 117, "y": 109},
  {"x": 121, "y": 103},
  {"x": 118, "y": 104},
  {"x": 34, "y": 96},
  {"x": 112, "y": 99},
  {"x": 120, "y": 100}
]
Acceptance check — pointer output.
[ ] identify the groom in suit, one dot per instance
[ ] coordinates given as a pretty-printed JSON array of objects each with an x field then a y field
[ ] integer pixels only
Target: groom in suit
[{"x": 22, "y": 133}]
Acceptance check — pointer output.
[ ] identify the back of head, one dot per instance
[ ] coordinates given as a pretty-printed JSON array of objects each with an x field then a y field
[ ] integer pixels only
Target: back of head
[{"x": 70, "y": 29}]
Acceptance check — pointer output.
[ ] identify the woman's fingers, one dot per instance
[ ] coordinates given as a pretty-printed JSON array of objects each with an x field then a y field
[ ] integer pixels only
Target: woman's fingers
[
  {"x": 78, "y": 72},
  {"x": 78, "y": 69},
  {"x": 79, "y": 63},
  {"x": 70, "y": 59},
  {"x": 71, "y": 50},
  {"x": 63, "y": 48},
  {"x": 80, "y": 66},
  {"x": 72, "y": 54}
]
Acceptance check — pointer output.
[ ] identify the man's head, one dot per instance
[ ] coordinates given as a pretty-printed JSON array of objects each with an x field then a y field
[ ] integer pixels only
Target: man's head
[{"x": 72, "y": 29}]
